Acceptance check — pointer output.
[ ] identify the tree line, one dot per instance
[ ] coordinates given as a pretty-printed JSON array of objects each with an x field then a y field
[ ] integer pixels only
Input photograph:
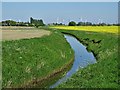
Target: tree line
[
  {"x": 33, "y": 22},
  {"x": 39, "y": 22},
  {"x": 13, "y": 23},
  {"x": 72, "y": 23}
]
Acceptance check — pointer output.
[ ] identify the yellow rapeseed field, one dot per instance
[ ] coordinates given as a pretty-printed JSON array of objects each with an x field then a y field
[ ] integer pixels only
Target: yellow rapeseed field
[{"x": 104, "y": 29}]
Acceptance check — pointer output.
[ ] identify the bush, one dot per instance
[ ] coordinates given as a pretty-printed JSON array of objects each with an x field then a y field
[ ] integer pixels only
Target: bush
[{"x": 72, "y": 23}]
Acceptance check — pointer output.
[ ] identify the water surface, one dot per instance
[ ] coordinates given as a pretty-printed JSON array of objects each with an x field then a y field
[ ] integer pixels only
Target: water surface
[{"x": 82, "y": 58}]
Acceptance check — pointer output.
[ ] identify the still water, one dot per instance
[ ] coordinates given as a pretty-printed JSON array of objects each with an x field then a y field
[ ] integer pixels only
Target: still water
[{"x": 81, "y": 60}]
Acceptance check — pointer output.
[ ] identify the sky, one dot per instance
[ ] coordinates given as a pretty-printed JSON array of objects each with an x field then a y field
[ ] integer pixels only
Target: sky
[
  {"x": 61, "y": 11},
  {"x": 59, "y": 0}
]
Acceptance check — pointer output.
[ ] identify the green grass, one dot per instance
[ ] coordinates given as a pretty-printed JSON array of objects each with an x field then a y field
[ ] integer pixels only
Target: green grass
[
  {"x": 104, "y": 73},
  {"x": 32, "y": 59}
]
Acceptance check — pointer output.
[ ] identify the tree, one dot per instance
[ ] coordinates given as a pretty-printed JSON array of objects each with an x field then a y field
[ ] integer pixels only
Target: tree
[
  {"x": 88, "y": 24},
  {"x": 41, "y": 22},
  {"x": 72, "y": 23},
  {"x": 102, "y": 24},
  {"x": 9, "y": 23},
  {"x": 36, "y": 22},
  {"x": 31, "y": 20},
  {"x": 0, "y": 23},
  {"x": 84, "y": 24},
  {"x": 81, "y": 24}
]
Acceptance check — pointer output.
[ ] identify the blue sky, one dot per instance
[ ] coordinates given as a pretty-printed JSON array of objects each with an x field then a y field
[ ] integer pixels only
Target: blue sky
[
  {"x": 59, "y": 0},
  {"x": 63, "y": 11}
]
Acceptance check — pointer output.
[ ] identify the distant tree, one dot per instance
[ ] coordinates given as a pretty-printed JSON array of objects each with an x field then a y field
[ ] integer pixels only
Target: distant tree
[
  {"x": 54, "y": 23},
  {"x": 72, "y": 23},
  {"x": 60, "y": 24},
  {"x": 36, "y": 22},
  {"x": 84, "y": 24},
  {"x": 57, "y": 24},
  {"x": 102, "y": 24},
  {"x": 9, "y": 23},
  {"x": 116, "y": 24},
  {"x": 88, "y": 24},
  {"x": 41, "y": 22},
  {"x": 29, "y": 24},
  {"x": 0, "y": 23},
  {"x": 108, "y": 24},
  {"x": 94, "y": 25},
  {"x": 31, "y": 20},
  {"x": 22, "y": 24},
  {"x": 81, "y": 24}
]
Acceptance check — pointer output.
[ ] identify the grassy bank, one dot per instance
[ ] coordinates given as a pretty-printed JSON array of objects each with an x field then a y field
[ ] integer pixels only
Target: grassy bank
[
  {"x": 103, "y": 74},
  {"x": 104, "y": 44},
  {"x": 28, "y": 60}
]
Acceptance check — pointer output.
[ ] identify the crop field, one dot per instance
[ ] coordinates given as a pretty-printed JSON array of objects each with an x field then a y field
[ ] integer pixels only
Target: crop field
[
  {"x": 104, "y": 73},
  {"x": 30, "y": 60},
  {"x": 102, "y": 29},
  {"x": 16, "y": 28},
  {"x": 14, "y": 33}
]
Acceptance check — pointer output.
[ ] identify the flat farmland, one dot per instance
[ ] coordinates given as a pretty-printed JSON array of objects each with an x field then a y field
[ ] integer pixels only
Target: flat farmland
[
  {"x": 99, "y": 29},
  {"x": 9, "y": 33}
]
